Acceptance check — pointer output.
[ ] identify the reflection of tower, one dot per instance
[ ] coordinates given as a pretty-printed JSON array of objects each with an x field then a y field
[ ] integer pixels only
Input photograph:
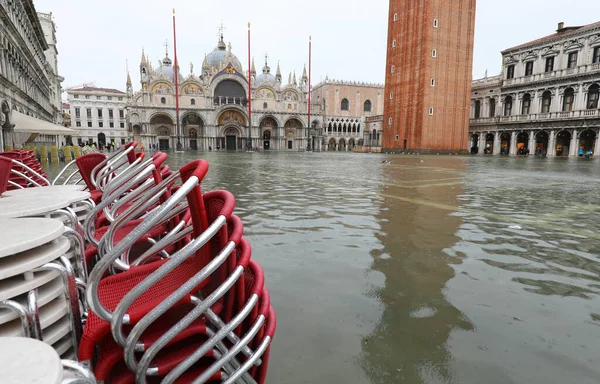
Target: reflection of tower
[{"x": 409, "y": 343}]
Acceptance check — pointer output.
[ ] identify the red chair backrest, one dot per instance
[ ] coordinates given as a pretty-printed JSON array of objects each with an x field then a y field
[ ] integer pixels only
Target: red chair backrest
[
  {"x": 131, "y": 156},
  {"x": 5, "y": 167},
  {"x": 86, "y": 165}
]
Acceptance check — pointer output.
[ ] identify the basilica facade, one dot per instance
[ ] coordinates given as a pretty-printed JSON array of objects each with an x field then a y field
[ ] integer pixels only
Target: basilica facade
[{"x": 213, "y": 107}]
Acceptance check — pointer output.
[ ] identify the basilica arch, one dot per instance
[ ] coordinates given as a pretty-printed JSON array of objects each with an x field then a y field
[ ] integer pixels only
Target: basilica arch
[
  {"x": 231, "y": 123},
  {"x": 163, "y": 126},
  {"x": 293, "y": 130},
  {"x": 193, "y": 131},
  {"x": 229, "y": 91},
  {"x": 268, "y": 132}
]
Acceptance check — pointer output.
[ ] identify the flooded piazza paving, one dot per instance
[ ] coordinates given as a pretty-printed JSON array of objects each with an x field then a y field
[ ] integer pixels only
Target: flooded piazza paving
[{"x": 424, "y": 270}]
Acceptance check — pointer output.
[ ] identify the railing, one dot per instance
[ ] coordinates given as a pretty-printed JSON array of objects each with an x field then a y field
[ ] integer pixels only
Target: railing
[
  {"x": 370, "y": 119},
  {"x": 548, "y": 75},
  {"x": 587, "y": 113},
  {"x": 224, "y": 100},
  {"x": 342, "y": 134},
  {"x": 545, "y": 76}
]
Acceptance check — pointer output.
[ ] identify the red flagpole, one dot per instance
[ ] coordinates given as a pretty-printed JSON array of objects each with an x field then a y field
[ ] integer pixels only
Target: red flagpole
[
  {"x": 249, "y": 145},
  {"x": 179, "y": 147},
  {"x": 309, "y": 64}
]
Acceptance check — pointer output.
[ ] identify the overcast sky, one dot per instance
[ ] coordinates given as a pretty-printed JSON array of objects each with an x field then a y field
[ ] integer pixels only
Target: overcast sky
[{"x": 349, "y": 36}]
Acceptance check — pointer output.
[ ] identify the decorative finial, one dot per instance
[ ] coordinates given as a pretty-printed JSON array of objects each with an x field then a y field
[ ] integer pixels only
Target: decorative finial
[
  {"x": 248, "y": 25},
  {"x": 221, "y": 30},
  {"x": 167, "y": 48},
  {"x": 229, "y": 47},
  {"x": 173, "y": 11}
]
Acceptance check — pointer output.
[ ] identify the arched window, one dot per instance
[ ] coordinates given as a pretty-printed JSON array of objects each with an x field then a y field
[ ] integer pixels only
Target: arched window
[
  {"x": 163, "y": 100},
  {"x": 526, "y": 106},
  {"x": 492, "y": 107},
  {"x": 546, "y": 101},
  {"x": 345, "y": 105},
  {"x": 477, "y": 109},
  {"x": 265, "y": 105},
  {"x": 367, "y": 107},
  {"x": 568, "y": 100},
  {"x": 593, "y": 94},
  {"x": 193, "y": 101},
  {"x": 508, "y": 102},
  {"x": 329, "y": 128}
]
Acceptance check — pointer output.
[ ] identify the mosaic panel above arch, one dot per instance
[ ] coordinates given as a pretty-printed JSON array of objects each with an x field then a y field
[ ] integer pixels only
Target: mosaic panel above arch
[
  {"x": 231, "y": 117},
  {"x": 191, "y": 89},
  {"x": 162, "y": 88},
  {"x": 290, "y": 95},
  {"x": 265, "y": 93},
  {"x": 163, "y": 131}
]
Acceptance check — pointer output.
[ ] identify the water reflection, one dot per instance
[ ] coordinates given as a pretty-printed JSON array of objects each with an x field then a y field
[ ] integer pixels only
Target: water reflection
[
  {"x": 409, "y": 343},
  {"x": 530, "y": 244}
]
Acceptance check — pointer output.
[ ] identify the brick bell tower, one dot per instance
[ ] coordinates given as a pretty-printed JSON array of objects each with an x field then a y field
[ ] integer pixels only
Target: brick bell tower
[{"x": 428, "y": 76}]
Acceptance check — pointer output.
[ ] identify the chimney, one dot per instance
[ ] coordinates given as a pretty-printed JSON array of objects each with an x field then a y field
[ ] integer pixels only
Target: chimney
[{"x": 561, "y": 26}]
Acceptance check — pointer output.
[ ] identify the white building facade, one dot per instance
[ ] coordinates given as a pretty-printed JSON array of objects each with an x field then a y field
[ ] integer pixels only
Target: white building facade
[
  {"x": 98, "y": 115},
  {"x": 545, "y": 102},
  {"x": 49, "y": 30},
  {"x": 30, "y": 85},
  {"x": 213, "y": 106}
]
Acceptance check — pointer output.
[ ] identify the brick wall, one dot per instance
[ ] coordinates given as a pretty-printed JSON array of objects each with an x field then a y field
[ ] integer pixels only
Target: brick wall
[{"x": 411, "y": 26}]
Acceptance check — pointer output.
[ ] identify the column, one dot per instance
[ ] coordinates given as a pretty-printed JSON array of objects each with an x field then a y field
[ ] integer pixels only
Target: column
[
  {"x": 579, "y": 99},
  {"x": 574, "y": 146},
  {"x": 556, "y": 100},
  {"x": 552, "y": 144},
  {"x": 513, "y": 144},
  {"x": 497, "y": 143},
  {"x": 481, "y": 146},
  {"x": 597, "y": 146},
  {"x": 531, "y": 142},
  {"x": 534, "y": 107}
]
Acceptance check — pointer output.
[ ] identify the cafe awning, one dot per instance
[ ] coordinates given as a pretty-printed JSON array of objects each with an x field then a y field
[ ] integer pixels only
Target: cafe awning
[{"x": 31, "y": 125}]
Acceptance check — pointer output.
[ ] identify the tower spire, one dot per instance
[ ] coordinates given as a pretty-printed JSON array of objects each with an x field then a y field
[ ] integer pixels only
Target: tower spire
[
  {"x": 143, "y": 60},
  {"x": 278, "y": 74},
  {"x": 253, "y": 70}
]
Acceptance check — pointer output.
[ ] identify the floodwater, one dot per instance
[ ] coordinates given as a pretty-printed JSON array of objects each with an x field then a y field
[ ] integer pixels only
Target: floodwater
[{"x": 426, "y": 270}]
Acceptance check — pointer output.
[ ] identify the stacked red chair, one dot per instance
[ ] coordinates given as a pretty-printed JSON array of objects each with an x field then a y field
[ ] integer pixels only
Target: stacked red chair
[
  {"x": 173, "y": 294},
  {"x": 27, "y": 164}
]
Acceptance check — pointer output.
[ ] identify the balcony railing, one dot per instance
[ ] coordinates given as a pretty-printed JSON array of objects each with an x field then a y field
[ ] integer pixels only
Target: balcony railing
[
  {"x": 587, "y": 113},
  {"x": 223, "y": 100},
  {"x": 549, "y": 75}
]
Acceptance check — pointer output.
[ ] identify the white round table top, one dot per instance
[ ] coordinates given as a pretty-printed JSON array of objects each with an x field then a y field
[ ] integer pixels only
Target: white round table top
[
  {"x": 24, "y": 360},
  {"x": 43, "y": 190},
  {"x": 18, "y": 235},
  {"x": 29, "y": 260},
  {"x": 32, "y": 205}
]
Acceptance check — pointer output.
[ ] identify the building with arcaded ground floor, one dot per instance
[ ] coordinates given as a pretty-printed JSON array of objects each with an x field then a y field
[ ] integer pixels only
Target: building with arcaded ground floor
[{"x": 545, "y": 101}]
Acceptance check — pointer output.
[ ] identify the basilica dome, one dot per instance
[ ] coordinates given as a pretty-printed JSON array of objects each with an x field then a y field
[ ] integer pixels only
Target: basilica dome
[
  {"x": 221, "y": 57},
  {"x": 166, "y": 69},
  {"x": 266, "y": 76}
]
